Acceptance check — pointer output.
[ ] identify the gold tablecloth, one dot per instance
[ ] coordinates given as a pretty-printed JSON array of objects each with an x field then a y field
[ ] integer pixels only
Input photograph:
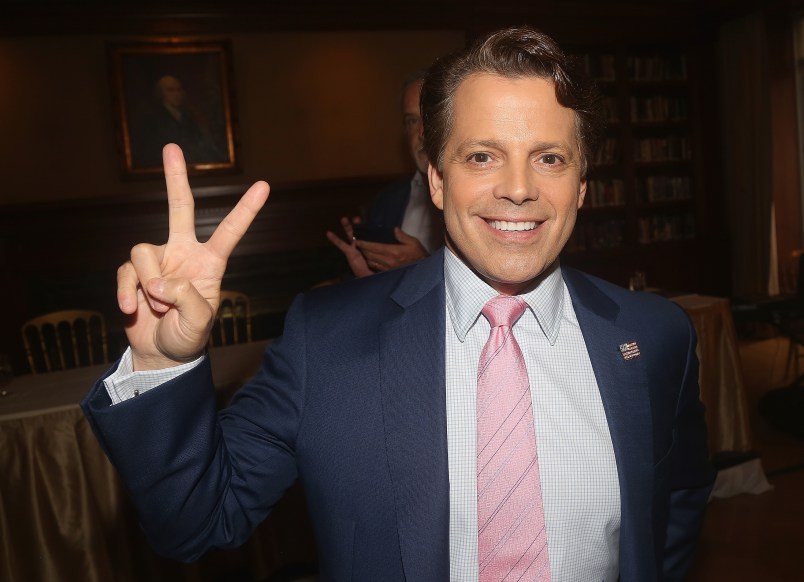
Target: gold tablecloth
[
  {"x": 65, "y": 515},
  {"x": 721, "y": 376}
]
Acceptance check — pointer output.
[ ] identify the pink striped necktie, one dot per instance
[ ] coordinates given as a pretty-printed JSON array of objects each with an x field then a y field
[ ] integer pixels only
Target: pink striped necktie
[{"x": 512, "y": 540}]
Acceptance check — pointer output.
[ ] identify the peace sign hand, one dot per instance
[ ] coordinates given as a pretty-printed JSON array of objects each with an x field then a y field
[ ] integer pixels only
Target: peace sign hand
[{"x": 171, "y": 292}]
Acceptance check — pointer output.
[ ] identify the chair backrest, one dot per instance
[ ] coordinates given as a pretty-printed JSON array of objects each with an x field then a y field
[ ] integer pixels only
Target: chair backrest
[
  {"x": 65, "y": 339},
  {"x": 790, "y": 273},
  {"x": 233, "y": 320}
]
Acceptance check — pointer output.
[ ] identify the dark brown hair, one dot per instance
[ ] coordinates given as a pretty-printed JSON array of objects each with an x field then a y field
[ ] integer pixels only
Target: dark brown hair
[{"x": 512, "y": 52}]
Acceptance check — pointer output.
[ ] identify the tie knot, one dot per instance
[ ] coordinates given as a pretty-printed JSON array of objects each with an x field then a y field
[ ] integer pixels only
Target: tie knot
[{"x": 504, "y": 310}]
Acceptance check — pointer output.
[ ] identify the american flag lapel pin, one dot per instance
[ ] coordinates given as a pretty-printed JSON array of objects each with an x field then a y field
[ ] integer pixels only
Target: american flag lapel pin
[{"x": 629, "y": 350}]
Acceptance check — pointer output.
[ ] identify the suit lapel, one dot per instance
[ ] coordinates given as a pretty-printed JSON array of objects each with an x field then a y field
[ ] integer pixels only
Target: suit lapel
[
  {"x": 624, "y": 391},
  {"x": 414, "y": 415}
]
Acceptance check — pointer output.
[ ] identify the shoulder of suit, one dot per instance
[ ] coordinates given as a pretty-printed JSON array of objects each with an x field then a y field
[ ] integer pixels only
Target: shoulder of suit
[
  {"x": 637, "y": 304},
  {"x": 352, "y": 293}
]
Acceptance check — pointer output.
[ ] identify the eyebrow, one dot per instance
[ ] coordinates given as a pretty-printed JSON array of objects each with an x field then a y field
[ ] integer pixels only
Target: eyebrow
[{"x": 496, "y": 144}]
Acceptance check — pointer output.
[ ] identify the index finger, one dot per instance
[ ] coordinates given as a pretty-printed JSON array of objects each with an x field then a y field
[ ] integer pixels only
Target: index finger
[
  {"x": 236, "y": 223},
  {"x": 375, "y": 247},
  {"x": 181, "y": 206},
  {"x": 377, "y": 252}
]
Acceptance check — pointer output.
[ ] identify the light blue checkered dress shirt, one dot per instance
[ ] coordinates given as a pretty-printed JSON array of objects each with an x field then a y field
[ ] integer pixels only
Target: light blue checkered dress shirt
[{"x": 580, "y": 489}]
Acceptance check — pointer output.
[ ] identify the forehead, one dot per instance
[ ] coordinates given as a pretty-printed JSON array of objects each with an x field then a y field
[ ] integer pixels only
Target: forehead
[
  {"x": 169, "y": 82},
  {"x": 410, "y": 97},
  {"x": 510, "y": 107}
]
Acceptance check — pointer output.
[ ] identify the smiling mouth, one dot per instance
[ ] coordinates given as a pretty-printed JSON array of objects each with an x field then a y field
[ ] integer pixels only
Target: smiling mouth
[{"x": 508, "y": 226}]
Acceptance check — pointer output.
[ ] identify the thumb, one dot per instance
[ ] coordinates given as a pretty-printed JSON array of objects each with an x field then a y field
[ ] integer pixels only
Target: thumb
[
  {"x": 185, "y": 327},
  {"x": 404, "y": 237}
]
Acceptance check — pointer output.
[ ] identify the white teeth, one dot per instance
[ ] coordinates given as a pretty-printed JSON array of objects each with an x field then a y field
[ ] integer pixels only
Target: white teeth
[{"x": 512, "y": 226}]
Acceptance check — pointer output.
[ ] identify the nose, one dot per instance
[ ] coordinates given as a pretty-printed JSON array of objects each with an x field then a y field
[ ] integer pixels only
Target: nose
[{"x": 518, "y": 183}]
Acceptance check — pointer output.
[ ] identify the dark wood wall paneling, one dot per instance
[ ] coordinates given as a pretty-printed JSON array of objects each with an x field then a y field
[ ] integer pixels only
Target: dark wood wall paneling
[{"x": 284, "y": 252}]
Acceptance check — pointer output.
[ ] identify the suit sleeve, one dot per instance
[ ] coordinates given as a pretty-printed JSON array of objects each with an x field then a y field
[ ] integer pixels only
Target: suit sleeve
[
  {"x": 692, "y": 474},
  {"x": 201, "y": 479}
]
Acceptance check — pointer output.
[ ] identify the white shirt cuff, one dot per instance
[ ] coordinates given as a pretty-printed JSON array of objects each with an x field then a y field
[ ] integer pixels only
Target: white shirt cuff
[{"x": 125, "y": 383}]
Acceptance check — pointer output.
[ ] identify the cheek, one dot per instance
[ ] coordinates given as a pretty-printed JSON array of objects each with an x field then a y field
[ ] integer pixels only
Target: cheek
[{"x": 465, "y": 197}]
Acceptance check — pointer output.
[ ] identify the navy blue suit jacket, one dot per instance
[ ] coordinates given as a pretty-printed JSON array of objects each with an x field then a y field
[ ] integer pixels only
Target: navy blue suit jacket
[
  {"x": 351, "y": 401},
  {"x": 388, "y": 207}
]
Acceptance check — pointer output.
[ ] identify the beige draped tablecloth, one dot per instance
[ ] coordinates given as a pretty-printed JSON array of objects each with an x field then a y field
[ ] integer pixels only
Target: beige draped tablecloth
[
  {"x": 723, "y": 393},
  {"x": 64, "y": 513},
  {"x": 721, "y": 376}
]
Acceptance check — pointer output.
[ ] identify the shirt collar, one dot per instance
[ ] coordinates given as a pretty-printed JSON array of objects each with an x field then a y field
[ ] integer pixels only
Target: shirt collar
[
  {"x": 466, "y": 294},
  {"x": 419, "y": 185}
]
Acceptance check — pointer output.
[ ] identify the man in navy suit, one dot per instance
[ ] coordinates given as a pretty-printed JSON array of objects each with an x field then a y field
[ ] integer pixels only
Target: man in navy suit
[
  {"x": 402, "y": 209},
  {"x": 368, "y": 399}
]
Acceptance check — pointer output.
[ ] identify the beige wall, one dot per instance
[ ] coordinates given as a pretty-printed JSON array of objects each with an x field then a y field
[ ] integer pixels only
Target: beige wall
[{"x": 310, "y": 106}]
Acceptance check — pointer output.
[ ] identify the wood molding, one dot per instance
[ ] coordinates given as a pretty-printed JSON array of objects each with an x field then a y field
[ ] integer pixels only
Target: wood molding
[
  {"x": 574, "y": 19},
  {"x": 65, "y": 255}
]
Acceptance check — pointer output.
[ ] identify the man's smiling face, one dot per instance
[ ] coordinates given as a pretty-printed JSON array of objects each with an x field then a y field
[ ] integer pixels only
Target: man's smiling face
[{"x": 510, "y": 184}]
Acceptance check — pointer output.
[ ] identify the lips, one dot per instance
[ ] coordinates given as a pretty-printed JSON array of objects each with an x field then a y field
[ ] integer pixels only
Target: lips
[{"x": 512, "y": 226}]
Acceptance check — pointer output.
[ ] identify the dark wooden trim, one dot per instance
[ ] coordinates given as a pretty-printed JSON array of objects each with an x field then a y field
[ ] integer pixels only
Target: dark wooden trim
[
  {"x": 572, "y": 19},
  {"x": 59, "y": 255}
]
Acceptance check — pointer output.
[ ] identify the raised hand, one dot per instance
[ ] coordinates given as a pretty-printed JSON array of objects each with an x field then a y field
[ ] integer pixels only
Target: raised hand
[
  {"x": 354, "y": 257},
  {"x": 171, "y": 292},
  {"x": 383, "y": 256}
]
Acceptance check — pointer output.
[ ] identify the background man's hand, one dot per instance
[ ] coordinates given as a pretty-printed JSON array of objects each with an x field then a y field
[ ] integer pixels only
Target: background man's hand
[
  {"x": 356, "y": 260},
  {"x": 382, "y": 256},
  {"x": 171, "y": 292}
]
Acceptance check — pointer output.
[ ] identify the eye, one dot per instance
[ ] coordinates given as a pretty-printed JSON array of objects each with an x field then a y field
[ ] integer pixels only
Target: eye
[
  {"x": 551, "y": 159},
  {"x": 480, "y": 158},
  {"x": 411, "y": 121}
]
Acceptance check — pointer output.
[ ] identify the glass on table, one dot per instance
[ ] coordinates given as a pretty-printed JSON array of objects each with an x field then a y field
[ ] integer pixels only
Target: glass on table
[
  {"x": 637, "y": 281},
  {"x": 6, "y": 373}
]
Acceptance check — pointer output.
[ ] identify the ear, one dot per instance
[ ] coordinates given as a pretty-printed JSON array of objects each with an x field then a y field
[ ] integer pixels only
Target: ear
[
  {"x": 436, "y": 180},
  {"x": 582, "y": 193}
]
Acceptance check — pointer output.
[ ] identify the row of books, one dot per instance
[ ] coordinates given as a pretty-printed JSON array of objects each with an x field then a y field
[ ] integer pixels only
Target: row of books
[
  {"x": 611, "y": 109},
  {"x": 595, "y": 235},
  {"x": 657, "y": 68},
  {"x": 663, "y": 188},
  {"x": 599, "y": 67},
  {"x": 669, "y": 148},
  {"x": 665, "y": 227},
  {"x": 607, "y": 234},
  {"x": 611, "y": 192},
  {"x": 658, "y": 108},
  {"x": 608, "y": 152},
  {"x": 660, "y": 149},
  {"x": 650, "y": 68},
  {"x": 601, "y": 193}
]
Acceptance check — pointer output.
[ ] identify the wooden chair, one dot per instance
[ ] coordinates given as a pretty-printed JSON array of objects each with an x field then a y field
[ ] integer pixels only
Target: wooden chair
[
  {"x": 65, "y": 339},
  {"x": 233, "y": 320}
]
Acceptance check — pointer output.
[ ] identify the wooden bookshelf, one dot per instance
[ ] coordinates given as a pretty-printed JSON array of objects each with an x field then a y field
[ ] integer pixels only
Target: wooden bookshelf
[{"x": 642, "y": 210}]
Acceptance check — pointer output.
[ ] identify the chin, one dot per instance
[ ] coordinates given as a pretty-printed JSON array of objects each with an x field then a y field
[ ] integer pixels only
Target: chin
[{"x": 522, "y": 273}]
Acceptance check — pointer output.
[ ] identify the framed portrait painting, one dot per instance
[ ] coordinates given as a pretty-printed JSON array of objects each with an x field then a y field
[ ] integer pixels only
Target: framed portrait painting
[{"x": 173, "y": 92}]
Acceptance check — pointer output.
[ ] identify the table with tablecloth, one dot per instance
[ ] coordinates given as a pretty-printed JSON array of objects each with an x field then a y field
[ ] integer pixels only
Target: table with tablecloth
[
  {"x": 64, "y": 513},
  {"x": 723, "y": 392}
]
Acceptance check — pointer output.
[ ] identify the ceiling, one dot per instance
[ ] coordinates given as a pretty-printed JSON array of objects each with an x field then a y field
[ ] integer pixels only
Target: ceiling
[{"x": 30, "y": 17}]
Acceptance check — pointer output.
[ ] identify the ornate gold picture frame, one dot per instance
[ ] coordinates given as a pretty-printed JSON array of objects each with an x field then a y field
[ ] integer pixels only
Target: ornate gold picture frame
[{"x": 173, "y": 91}]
